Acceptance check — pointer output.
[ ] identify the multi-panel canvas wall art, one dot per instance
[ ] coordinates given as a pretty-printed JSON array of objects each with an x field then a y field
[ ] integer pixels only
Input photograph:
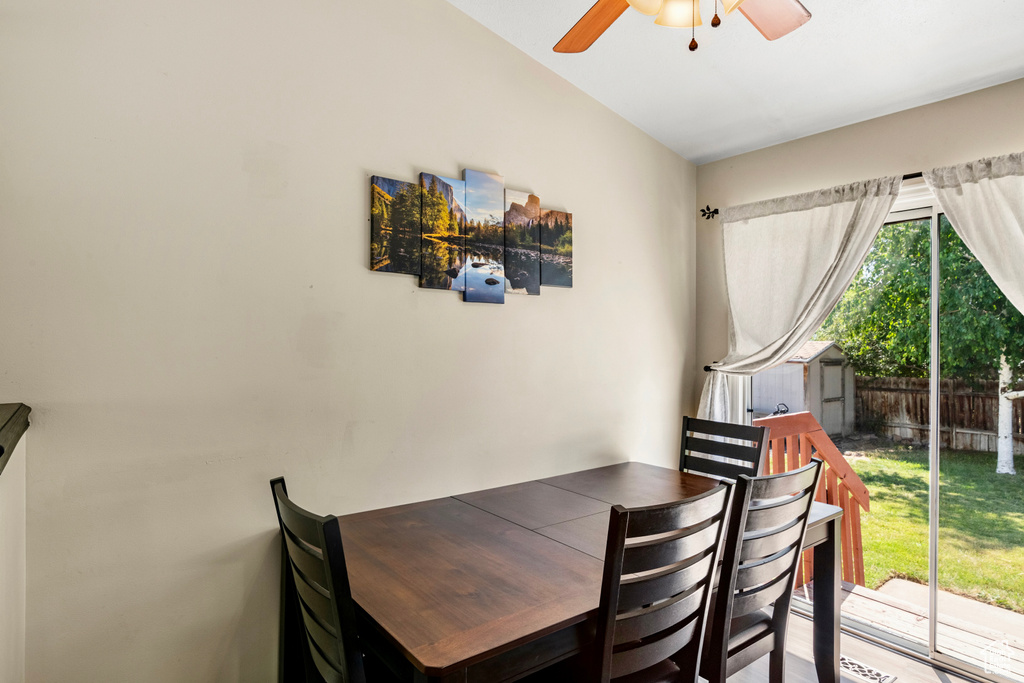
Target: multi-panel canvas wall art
[
  {"x": 443, "y": 222},
  {"x": 522, "y": 242},
  {"x": 556, "y": 248},
  {"x": 394, "y": 226},
  {"x": 470, "y": 235},
  {"x": 485, "y": 237}
]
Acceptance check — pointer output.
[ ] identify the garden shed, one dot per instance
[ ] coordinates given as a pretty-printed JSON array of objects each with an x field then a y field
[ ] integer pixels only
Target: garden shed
[{"x": 818, "y": 378}]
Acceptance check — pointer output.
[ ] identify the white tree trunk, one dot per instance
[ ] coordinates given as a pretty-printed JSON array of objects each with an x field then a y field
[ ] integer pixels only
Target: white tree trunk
[{"x": 1004, "y": 461}]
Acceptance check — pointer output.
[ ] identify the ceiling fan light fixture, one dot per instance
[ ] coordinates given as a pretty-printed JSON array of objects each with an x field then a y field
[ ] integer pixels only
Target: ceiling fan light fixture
[
  {"x": 730, "y": 5},
  {"x": 679, "y": 14},
  {"x": 648, "y": 7}
]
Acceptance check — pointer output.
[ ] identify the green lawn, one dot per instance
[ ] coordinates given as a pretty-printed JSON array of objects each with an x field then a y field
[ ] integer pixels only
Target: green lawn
[{"x": 981, "y": 532}]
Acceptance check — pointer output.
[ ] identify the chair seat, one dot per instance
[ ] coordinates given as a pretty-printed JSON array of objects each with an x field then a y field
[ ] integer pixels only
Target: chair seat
[
  {"x": 662, "y": 672},
  {"x": 742, "y": 630},
  {"x": 746, "y": 629}
]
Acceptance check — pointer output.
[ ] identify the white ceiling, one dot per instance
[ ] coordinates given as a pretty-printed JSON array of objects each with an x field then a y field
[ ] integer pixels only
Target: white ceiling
[{"x": 855, "y": 60}]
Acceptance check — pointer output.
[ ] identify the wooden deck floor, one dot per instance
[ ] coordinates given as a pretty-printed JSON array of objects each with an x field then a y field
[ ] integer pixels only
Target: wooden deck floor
[
  {"x": 968, "y": 630},
  {"x": 963, "y": 633},
  {"x": 800, "y": 662}
]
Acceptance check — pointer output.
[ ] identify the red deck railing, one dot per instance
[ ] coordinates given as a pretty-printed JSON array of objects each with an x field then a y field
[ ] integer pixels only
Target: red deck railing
[{"x": 793, "y": 440}]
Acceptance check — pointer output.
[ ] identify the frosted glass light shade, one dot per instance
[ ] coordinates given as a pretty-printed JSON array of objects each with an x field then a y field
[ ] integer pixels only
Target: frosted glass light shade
[
  {"x": 775, "y": 18},
  {"x": 648, "y": 7},
  {"x": 730, "y": 5},
  {"x": 679, "y": 14}
]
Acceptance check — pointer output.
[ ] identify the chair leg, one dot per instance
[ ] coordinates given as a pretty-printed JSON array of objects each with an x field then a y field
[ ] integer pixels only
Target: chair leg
[{"x": 777, "y": 665}]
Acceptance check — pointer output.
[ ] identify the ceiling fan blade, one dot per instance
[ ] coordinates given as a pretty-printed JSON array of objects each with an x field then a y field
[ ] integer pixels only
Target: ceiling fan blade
[
  {"x": 775, "y": 18},
  {"x": 588, "y": 29}
]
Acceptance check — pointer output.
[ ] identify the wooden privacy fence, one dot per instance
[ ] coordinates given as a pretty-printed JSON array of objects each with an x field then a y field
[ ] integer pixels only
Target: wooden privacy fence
[
  {"x": 793, "y": 440},
  {"x": 897, "y": 407}
]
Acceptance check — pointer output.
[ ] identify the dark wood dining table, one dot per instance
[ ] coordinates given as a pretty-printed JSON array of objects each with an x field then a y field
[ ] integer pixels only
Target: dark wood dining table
[{"x": 491, "y": 585}]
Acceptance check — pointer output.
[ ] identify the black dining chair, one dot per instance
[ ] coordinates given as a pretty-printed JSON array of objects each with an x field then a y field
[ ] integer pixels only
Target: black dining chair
[
  {"x": 703, "y": 451},
  {"x": 658, "y": 577},
  {"x": 315, "y": 574},
  {"x": 765, "y": 537}
]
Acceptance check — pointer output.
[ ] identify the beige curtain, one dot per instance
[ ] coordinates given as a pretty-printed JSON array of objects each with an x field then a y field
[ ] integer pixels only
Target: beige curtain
[
  {"x": 787, "y": 263},
  {"x": 984, "y": 201}
]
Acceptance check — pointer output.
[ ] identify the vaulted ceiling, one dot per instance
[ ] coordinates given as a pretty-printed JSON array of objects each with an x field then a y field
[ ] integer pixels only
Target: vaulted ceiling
[{"x": 855, "y": 60}]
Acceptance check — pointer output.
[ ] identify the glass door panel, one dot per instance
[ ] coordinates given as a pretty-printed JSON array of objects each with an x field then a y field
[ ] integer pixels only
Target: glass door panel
[
  {"x": 882, "y": 326},
  {"x": 979, "y": 526}
]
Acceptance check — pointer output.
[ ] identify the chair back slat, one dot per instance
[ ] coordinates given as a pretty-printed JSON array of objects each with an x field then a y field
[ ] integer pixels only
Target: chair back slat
[
  {"x": 636, "y": 591},
  {"x": 303, "y": 525},
  {"x": 650, "y": 653},
  {"x": 315, "y": 558},
  {"x": 648, "y": 555},
  {"x": 726, "y": 430},
  {"x": 748, "y": 601},
  {"x": 316, "y": 600},
  {"x": 329, "y": 673},
  {"x": 647, "y": 621},
  {"x": 715, "y": 468},
  {"x": 784, "y": 484},
  {"x": 321, "y": 634},
  {"x": 723, "y": 449},
  {"x": 325, "y": 646},
  {"x": 668, "y": 554},
  {"x": 777, "y": 513},
  {"x": 743, "y": 453},
  {"x": 306, "y": 559},
  {"x": 763, "y": 570},
  {"x": 762, "y": 544},
  {"x": 673, "y": 517}
]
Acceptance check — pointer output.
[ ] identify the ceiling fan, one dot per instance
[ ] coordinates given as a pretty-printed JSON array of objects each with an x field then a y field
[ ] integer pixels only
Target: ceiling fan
[{"x": 773, "y": 18}]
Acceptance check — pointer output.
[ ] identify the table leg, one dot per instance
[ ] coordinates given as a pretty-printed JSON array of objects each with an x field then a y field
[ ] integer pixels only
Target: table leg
[{"x": 827, "y": 604}]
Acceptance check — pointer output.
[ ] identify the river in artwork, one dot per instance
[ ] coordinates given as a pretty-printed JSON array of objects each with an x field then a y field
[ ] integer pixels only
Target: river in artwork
[
  {"x": 444, "y": 262},
  {"x": 485, "y": 273}
]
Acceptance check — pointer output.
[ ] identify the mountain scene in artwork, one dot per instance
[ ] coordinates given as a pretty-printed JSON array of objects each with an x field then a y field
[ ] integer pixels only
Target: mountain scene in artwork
[
  {"x": 485, "y": 237},
  {"x": 395, "y": 208},
  {"x": 522, "y": 242},
  {"x": 443, "y": 229},
  {"x": 556, "y": 248}
]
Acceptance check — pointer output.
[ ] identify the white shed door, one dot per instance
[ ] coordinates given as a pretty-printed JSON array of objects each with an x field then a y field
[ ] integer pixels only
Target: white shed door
[{"x": 833, "y": 402}]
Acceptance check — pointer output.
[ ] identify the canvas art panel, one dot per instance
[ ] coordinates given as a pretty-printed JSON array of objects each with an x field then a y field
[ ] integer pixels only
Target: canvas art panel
[
  {"x": 395, "y": 208},
  {"x": 443, "y": 232},
  {"x": 522, "y": 242},
  {"x": 485, "y": 237},
  {"x": 556, "y": 248}
]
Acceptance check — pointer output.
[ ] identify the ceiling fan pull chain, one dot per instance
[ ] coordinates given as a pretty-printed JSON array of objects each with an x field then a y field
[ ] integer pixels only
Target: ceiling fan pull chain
[
  {"x": 693, "y": 26},
  {"x": 715, "y": 21}
]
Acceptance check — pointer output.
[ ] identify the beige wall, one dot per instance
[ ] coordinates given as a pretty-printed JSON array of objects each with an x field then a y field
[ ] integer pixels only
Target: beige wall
[
  {"x": 188, "y": 310},
  {"x": 12, "y": 567},
  {"x": 965, "y": 128}
]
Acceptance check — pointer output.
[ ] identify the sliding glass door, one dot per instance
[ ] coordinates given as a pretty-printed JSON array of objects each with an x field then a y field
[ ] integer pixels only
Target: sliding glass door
[
  {"x": 976, "y": 503},
  {"x": 939, "y": 354}
]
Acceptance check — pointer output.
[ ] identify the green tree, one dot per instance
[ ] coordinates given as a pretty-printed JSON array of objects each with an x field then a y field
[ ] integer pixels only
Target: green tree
[
  {"x": 405, "y": 209},
  {"x": 435, "y": 209},
  {"x": 453, "y": 223},
  {"x": 882, "y": 322}
]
